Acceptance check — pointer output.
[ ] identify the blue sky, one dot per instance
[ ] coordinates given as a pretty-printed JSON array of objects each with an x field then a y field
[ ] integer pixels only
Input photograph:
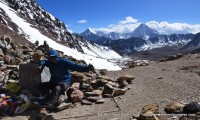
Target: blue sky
[{"x": 167, "y": 16}]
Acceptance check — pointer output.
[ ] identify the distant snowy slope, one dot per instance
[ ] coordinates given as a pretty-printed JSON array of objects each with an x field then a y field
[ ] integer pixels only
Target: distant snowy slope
[
  {"x": 91, "y": 54},
  {"x": 100, "y": 51},
  {"x": 193, "y": 44}
]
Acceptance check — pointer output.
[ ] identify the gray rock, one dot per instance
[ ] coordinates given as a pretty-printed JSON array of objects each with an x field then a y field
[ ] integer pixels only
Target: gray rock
[
  {"x": 86, "y": 102},
  {"x": 76, "y": 96},
  {"x": 30, "y": 76},
  {"x": 100, "y": 101},
  {"x": 63, "y": 106},
  {"x": 174, "y": 107},
  {"x": 94, "y": 98}
]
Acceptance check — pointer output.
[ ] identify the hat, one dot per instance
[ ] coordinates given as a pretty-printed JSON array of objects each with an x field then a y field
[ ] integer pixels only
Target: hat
[{"x": 53, "y": 53}]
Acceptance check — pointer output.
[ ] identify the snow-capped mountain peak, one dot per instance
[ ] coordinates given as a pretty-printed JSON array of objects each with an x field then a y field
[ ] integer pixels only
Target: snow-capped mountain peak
[
  {"x": 143, "y": 31},
  {"x": 88, "y": 32}
]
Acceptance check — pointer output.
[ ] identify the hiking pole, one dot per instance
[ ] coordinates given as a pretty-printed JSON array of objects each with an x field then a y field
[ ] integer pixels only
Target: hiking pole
[
  {"x": 116, "y": 104},
  {"x": 112, "y": 95}
]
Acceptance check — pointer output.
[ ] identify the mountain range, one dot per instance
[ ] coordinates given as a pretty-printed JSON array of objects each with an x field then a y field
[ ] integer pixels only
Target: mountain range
[
  {"x": 134, "y": 44},
  {"x": 140, "y": 39},
  {"x": 142, "y": 31},
  {"x": 26, "y": 21}
]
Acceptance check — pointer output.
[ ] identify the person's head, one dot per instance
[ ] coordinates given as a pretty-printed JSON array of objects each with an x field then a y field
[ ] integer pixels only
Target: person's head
[
  {"x": 37, "y": 56},
  {"x": 53, "y": 55}
]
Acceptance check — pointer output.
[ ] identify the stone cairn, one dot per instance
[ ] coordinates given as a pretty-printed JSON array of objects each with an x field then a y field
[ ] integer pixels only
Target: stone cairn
[{"x": 86, "y": 88}]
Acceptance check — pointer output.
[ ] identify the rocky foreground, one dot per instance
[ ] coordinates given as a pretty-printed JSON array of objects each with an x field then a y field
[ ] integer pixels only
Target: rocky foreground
[
  {"x": 156, "y": 85},
  {"x": 18, "y": 83}
]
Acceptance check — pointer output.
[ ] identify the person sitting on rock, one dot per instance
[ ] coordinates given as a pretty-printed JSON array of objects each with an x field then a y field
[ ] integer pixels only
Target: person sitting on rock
[{"x": 60, "y": 75}]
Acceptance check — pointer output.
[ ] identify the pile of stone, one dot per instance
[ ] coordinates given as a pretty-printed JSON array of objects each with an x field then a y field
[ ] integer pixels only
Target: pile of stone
[
  {"x": 14, "y": 99},
  {"x": 138, "y": 63},
  {"x": 86, "y": 88},
  {"x": 91, "y": 88}
]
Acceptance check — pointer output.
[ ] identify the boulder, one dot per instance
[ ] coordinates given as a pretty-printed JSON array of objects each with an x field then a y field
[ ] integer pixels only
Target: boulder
[
  {"x": 63, "y": 106},
  {"x": 113, "y": 84},
  {"x": 174, "y": 107},
  {"x": 103, "y": 71},
  {"x": 108, "y": 89},
  {"x": 2, "y": 76},
  {"x": 9, "y": 59},
  {"x": 77, "y": 77},
  {"x": 118, "y": 92},
  {"x": 1, "y": 52},
  {"x": 128, "y": 78},
  {"x": 30, "y": 76},
  {"x": 97, "y": 92},
  {"x": 86, "y": 102},
  {"x": 123, "y": 83},
  {"x": 103, "y": 77},
  {"x": 100, "y": 101},
  {"x": 76, "y": 96},
  {"x": 93, "y": 98},
  {"x": 88, "y": 94},
  {"x": 86, "y": 87},
  {"x": 76, "y": 85},
  {"x": 150, "y": 109}
]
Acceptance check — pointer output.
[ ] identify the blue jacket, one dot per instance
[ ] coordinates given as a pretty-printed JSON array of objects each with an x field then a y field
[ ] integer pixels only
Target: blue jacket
[{"x": 60, "y": 70}]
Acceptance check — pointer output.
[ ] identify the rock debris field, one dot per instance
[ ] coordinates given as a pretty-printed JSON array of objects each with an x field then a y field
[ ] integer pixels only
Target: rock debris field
[
  {"x": 158, "y": 83},
  {"x": 165, "y": 89}
]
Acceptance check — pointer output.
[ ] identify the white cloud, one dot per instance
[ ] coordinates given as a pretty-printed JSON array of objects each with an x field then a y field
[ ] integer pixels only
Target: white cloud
[
  {"x": 128, "y": 19},
  {"x": 82, "y": 21},
  {"x": 123, "y": 26},
  {"x": 170, "y": 28},
  {"x": 129, "y": 24}
]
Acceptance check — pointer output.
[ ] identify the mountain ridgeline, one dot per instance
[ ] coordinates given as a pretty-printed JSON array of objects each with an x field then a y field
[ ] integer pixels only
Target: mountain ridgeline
[
  {"x": 194, "y": 44},
  {"x": 134, "y": 44},
  {"x": 89, "y": 35},
  {"x": 40, "y": 19},
  {"x": 141, "y": 39}
]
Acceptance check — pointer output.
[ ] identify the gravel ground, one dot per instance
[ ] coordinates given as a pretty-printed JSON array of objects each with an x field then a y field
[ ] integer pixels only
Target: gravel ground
[{"x": 159, "y": 82}]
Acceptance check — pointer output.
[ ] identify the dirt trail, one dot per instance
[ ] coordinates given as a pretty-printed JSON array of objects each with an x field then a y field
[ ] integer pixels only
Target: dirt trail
[{"x": 177, "y": 80}]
